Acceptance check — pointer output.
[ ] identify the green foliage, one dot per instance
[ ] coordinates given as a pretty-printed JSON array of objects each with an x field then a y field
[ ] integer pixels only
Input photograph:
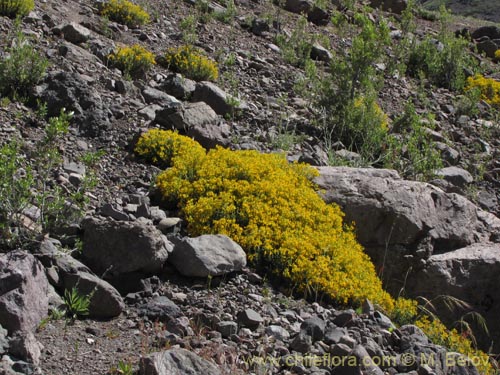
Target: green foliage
[
  {"x": 188, "y": 28},
  {"x": 123, "y": 368},
  {"x": 227, "y": 15},
  {"x": 27, "y": 183},
  {"x": 16, "y": 180},
  {"x": 296, "y": 49},
  {"x": 442, "y": 60},
  {"x": 346, "y": 98},
  {"x": 133, "y": 61},
  {"x": 16, "y": 8},
  {"x": 125, "y": 12},
  {"x": 77, "y": 305},
  {"x": 270, "y": 207},
  {"x": 192, "y": 63},
  {"x": 411, "y": 149},
  {"x": 21, "y": 69}
]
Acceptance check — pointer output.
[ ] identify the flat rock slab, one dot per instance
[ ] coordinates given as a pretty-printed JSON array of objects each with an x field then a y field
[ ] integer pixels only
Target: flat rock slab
[{"x": 176, "y": 362}]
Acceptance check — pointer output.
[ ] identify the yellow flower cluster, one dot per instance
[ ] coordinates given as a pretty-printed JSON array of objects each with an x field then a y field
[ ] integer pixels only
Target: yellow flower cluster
[
  {"x": 14, "y": 8},
  {"x": 404, "y": 312},
  {"x": 270, "y": 207},
  {"x": 374, "y": 112},
  {"x": 125, "y": 12},
  {"x": 163, "y": 147},
  {"x": 132, "y": 60},
  {"x": 437, "y": 332},
  {"x": 489, "y": 87},
  {"x": 190, "y": 62},
  {"x": 497, "y": 54}
]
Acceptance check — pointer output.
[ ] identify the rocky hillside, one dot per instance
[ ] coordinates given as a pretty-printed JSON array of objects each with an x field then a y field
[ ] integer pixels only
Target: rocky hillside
[
  {"x": 485, "y": 10},
  {"x": 153, "y": 218}
]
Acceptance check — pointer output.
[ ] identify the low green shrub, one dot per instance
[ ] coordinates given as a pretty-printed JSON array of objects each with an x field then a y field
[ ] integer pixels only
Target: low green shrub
[
  {"x": 410, "y": 148},
  {"x": 270, "y": 207},
  {"x": 16, "y": 8},
  {"x": 125, "y": 12},
  {"x": 21, "y": 69},
  {"x": 133, "y": 61},
  {"x": 192, "y": 63}
]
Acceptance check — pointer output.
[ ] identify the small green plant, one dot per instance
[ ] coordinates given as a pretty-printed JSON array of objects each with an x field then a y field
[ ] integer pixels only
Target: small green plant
[
  {"x": 412, "y": 152},
  {"x": 21, "y": 68},
  {"x": 133, "y": 61},
  {"x": 125, "y": 12},
  {"x": 192, "y": 63},
  {"x": 123, "y": 368},
  {"x": 77, "y": 304},
  {"x": 16, "y": 8},
  {"x": 442, "y": 60},
  {"x": 188, "y": 28},
  {"x": 228, "y": 14},
  {"x": 296, "y": 49}
]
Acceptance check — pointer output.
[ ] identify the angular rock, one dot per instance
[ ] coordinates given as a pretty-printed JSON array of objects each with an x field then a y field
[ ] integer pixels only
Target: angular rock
[
  {"x": 456, "y": 176},
  {"x": 405, "y": 221},
  {"x": 207, "y": 255},
  {"x": 71, "y": 91},
  {"x": 24, "y": 346},
  {"x": 152, "y": 95},
  {"x": 488, "y": 47},
  {"x": 121, "y": 247},
  {"x": 4, "y": 341},
  {"x": 302, "y": 343},
  {"x": 492, "y": 32},
  {"x": 318, "y": 16},
  {"x": 333, "y": 335},
  {"x": 105, "y": 302},
  {"x": 299, "y": 6},
  {"x": 109, "y": 211},
  {"x": 320, "y": 53},
  {"x": 178, "y": 86},
  {"x": 394, "y": 6},
  {"x": 176, "y": 362},
  {"x": 471, "y": 274},
  {"x": 214, "y": 96},
  {"x": 249, "y": 318},
  {"x": 211, "y": 135},
  {"x": 314, "y": 327},
  {"x": 187, "y": 116},
  {"x": 23, "y": 291},
  {"x": 75, "y": 33},
  {"x": 160, "y": 308},
  {"x": 278, "y": 332},
  {"x": 227, "y": 328}
]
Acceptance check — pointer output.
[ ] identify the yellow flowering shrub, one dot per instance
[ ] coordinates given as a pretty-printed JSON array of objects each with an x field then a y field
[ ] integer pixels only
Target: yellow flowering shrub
[
  {"x": 497, "y": 54},
  {"x": 405, "y": 311},
  {"x": 161, "y": 147},
  {"x": 125, "y": 12},
  {"x": 14, "y": 8},
  {"x": 132, "y": 60},
  {"x": 437, "y": 332},
  {"x": 271, "y": 209},
  {"x": 489, "y": 87},
  {"x": 192, "y": 63}
]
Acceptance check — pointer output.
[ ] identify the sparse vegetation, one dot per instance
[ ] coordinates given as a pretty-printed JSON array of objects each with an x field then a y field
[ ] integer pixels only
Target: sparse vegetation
[
  {"x": 77, "y": 304},
  {"x": 21, "y": 68},
  {"x": 16, "y": 8}
]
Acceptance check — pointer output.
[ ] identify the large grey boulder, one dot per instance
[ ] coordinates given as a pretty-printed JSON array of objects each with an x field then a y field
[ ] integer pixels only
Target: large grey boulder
[
  {"x": 471, "y": 274},
  {"x": 23, "y": 292},
  {"x": 74, "y": 32},
  {"x": 187, "y": 116},
  {"x": 401, "y": 223},
  {"x": 72, "y": 91},
  {"x": 207, "y": 255},
  {"x": 122, "y": 247},
  {"x": 176, "y": 362}
]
